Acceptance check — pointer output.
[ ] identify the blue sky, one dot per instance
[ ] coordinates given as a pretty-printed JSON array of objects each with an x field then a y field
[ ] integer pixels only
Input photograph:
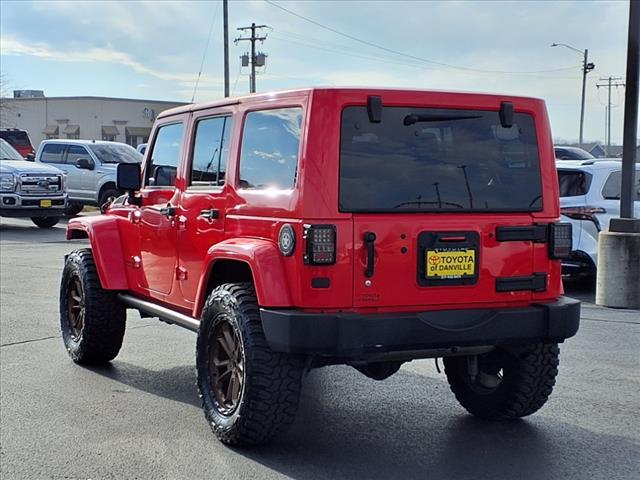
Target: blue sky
[{"x": 154, "y": 49}]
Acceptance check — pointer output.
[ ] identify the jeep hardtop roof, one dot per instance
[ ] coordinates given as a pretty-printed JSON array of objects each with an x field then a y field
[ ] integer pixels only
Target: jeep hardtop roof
[{"x": 283, "y": 94}]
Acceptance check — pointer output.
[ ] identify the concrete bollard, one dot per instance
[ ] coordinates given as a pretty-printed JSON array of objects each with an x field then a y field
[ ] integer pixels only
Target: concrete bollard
[{"x": 618, "y": 277}]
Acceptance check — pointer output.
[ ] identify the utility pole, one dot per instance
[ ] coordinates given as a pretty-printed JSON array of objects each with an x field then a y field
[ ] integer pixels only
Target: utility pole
[
  {"x": 254, "y": 60},
  {"x": 225, "y": 22},
  {"x": 611, "y": 82},
  {"x": 586, "y": 68}
]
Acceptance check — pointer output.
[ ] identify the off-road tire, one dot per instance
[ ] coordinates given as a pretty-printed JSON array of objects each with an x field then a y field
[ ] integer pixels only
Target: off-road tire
[
  {"x": 271, "y": 387},
  {"x": 100, "y": 337},
  {"x": 73, "y": 209},
  {"x": 45, "y": 222},
  {"x": 528, "y": 376}
]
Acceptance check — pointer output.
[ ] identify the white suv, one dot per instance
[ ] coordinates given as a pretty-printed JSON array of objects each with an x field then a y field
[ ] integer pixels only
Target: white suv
[
  {"x": 589, "y": 198},
  {"x": 90, "y": 166}
]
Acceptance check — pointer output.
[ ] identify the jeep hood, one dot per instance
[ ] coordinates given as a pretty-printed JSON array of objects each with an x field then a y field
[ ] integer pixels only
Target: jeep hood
[{"x": 23, "y": 166}]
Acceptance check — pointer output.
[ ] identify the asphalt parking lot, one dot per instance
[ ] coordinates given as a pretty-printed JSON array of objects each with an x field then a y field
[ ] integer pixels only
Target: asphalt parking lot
[{"x": 140, "y": 417}]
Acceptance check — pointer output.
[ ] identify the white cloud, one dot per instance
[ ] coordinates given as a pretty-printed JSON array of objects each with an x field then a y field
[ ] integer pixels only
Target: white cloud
[{"x": 13, "y": 46}]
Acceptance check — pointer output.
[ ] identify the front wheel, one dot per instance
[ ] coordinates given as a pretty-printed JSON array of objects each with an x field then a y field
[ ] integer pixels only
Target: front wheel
[
  {"x": 249, "y": 393},
  {"x": 108, "y": 196},
  {"x": 92, "y": 319},
  {"x": 504, "y": 384},
  {"x": 45, "y": 222}
]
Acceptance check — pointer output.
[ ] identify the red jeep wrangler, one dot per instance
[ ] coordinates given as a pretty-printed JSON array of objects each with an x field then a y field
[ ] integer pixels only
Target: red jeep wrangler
[{"x": 305, "y": 228}]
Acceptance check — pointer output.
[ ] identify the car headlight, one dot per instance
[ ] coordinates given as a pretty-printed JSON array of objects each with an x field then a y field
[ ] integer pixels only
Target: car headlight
[
  {"x": 63, "y": 183},
  {"x": 7, "y": 182}
]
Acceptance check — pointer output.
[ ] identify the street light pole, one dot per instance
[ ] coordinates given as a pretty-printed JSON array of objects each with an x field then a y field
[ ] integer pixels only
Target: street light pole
[{"x": 586, "y": 68}]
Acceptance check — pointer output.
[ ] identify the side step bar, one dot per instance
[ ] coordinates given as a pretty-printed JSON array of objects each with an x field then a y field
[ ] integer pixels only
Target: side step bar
[{"x": 163, "y": 313}]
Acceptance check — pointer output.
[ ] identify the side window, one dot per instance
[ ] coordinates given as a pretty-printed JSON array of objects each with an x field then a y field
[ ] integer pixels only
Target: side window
[
  {"x": 573, "y": 183},
  {"x": 612, "y": 187},
  {"x": 74, "y": 152},
  {"x": 52, "y": 153},
  {"x": 270, "y": 146},
  {"x": 210, "y": 151},
  {"x": 165, "y": 156}
]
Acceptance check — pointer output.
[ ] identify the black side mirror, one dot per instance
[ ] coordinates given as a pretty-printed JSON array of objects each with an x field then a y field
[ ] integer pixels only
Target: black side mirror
[
  {"x": 128, "y": 178},
  {"x": 85, "y": 164},
  {"x": 30, "y": 157}
]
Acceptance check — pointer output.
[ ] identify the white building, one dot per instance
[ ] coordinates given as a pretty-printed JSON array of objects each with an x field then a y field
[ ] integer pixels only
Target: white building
[{"x": 90, "y": 118}]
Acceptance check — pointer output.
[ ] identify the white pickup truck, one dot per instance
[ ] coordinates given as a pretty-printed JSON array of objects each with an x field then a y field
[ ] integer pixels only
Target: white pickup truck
[
  {"x": 29, "y": 189},
  {"x": 90, "y": 166}
]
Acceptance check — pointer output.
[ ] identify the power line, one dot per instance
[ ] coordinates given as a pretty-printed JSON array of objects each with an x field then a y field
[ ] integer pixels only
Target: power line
[
  {"x": 406, "y": 55},
  {"x": 204, "y": 54},
  {"x": 387, "y": 60}
]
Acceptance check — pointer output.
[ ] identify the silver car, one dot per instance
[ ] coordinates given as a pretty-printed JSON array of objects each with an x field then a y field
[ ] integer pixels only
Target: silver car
[
  {"x": 90, "y": 166},
  {"x": 589, "y": 198}
]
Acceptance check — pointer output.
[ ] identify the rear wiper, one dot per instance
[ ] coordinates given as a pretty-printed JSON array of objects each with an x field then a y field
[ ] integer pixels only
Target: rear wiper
[{"x": 435, "y": 117}]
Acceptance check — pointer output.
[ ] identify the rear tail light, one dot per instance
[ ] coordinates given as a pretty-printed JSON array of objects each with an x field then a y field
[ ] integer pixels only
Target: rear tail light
[
  {"x": 583, "y": 213},
  {"x": 321, "y": 244},
  {"x": 560, "y": 240}
]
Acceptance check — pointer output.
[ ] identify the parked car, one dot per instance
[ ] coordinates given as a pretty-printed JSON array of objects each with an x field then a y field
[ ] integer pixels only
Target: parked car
[
  {"x": 571, "y": 153},
  {"x": 18, "y": 139},
  {"x": 141, "y": 148},
  {"x": 589, "y": 198},
  {"x": 29, "y": 190},
  {"x": 315, "y": 227},
  {"x": 90, "y": 166}
]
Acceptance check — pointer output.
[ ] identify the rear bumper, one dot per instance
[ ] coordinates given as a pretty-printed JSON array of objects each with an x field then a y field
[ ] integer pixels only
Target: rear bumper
[{"x": 347, "y": 335}]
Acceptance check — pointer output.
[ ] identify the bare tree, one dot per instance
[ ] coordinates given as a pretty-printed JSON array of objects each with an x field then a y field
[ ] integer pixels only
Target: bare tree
[{"x": 7, "y": 108}]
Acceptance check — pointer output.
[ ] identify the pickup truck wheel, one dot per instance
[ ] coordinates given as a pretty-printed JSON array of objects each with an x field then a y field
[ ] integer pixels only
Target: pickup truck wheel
[
  {"x": 92, "y": 320},
  {"x": 45, "y": 222},
  {"x": 108, "y": 196},
  {"x": 249, "y": 393},
  {"x": 73, "y": 209},
  {"x": 504, "y": 384}
]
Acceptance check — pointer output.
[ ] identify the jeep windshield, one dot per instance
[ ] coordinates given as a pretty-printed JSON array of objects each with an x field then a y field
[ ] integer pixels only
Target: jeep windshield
[
  {"x": 425, "y": 159},
  {"x": 115, "y": 153}
]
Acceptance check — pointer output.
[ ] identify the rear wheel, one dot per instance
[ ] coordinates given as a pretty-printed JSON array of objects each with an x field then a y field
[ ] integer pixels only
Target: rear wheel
[
  {"x": 504, "y": 384},
  {"x": 45, "y": 222},
  {"x": 249, "y": 393},
  {"x": 92, "y": 319}
]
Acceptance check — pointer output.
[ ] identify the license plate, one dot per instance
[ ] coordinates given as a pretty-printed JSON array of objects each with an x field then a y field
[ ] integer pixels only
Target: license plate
[
  {"x": 45, "y": 203},
  {"x": 450, "y": 263}
]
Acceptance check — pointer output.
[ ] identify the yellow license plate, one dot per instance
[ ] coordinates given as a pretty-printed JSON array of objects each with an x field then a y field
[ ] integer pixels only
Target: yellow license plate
[
  {"x": 45, "y": 203},
  {"x": 458, "y": 263}
]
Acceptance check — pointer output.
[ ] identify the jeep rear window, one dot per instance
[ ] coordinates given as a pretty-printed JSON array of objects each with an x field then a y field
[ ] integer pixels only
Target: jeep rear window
[
  {"x": 16, "y": 138},
  {"x": 270, "y": 145},
  {"x": 573, "y": 183},
  {"x": 424, "y": 159}
]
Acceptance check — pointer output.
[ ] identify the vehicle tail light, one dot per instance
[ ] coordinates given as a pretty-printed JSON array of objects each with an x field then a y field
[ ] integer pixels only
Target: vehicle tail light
[
  {"x": 321, "y": 244},
  {"x": 560, "y": 240},
  {"x": 583, "y": 213}
]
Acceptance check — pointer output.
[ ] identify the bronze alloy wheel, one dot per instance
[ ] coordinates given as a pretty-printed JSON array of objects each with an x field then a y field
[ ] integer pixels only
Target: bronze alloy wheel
[
  {"x": 226, "y": 364},
  {"x": 75, "y": 306}
]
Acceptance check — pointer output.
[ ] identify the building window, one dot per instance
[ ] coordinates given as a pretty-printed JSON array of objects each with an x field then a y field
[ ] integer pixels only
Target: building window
[
  {"x": 109, "y": 138},
  {"x": 52, "y": 136},
  {"x": 73, "y": 136}
]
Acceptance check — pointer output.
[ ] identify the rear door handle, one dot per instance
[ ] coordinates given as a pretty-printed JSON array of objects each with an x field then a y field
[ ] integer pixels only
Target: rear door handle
[
  {"x": 211, "y": 214},
  {"x": 369, "y": 240}
]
